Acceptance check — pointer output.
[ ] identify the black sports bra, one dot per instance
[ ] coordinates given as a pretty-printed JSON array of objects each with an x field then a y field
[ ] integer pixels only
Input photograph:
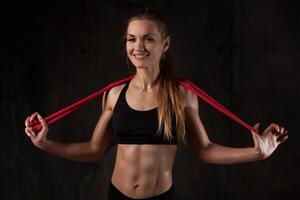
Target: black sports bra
[{"x": 132, "y": 126}]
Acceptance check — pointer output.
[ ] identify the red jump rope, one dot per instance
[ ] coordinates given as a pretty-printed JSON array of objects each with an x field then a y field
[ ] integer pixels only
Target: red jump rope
[{"x": 36, "y": 126}]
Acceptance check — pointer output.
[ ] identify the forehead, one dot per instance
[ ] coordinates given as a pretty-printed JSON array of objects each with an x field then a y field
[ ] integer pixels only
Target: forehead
[{"x": 142, "y": 27}]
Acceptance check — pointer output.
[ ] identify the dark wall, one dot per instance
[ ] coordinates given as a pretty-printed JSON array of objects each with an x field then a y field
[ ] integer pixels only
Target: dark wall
[{"x": 243, "y": 53}]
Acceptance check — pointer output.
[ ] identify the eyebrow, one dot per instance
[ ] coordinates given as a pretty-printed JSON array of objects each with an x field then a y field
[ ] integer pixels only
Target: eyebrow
[{"x": 143, "y": 35}]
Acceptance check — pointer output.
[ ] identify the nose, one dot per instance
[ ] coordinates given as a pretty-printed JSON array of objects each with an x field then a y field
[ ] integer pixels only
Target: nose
[{"x": 139, "y": 45}]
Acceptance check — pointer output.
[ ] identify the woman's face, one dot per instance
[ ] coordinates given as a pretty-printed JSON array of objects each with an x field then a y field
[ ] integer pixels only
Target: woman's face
[{"x": 144, "y": 43}]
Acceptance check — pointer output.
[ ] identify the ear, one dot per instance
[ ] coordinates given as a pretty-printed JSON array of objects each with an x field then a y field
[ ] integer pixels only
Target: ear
[{"x": 167, "y": 42}]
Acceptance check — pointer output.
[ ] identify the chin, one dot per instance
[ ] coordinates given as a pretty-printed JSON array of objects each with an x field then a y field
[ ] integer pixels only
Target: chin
[{"x": 141, "y": 65}]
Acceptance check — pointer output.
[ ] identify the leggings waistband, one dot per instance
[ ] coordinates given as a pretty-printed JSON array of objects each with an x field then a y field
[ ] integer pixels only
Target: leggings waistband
[{"x": 114, "y": 192}]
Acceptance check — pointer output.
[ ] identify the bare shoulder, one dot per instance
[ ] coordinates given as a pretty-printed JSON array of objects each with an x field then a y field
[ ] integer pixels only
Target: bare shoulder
[
  {"x": 110, "y": 97},
  {"x": 189, "y": 99}
]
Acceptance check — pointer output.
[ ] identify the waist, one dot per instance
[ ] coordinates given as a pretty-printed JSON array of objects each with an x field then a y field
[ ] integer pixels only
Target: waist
[
  {"x": 115, "y": 193},
  {"x": 144, "y": 169}
]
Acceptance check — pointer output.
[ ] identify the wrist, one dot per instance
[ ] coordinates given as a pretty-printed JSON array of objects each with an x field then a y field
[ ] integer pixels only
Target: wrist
[
  {"x": 259, "y": 153},
  {"x": 43, "y": 144}
]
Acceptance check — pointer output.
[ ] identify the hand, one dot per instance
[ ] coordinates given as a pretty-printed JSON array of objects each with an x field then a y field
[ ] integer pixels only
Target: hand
[
  {"x": 38, "y": 139},
  {"x": 268, "y": 141}
]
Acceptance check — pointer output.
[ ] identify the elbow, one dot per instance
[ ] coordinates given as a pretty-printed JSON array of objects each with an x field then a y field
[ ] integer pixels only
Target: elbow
[
  {"x": 203, "y": 154},
  {"x": 203, "y": 158},
  {"x": 95, "y": 157},
  {"x": 97, "y": 150},
  {"x": 95, "y": 154}
]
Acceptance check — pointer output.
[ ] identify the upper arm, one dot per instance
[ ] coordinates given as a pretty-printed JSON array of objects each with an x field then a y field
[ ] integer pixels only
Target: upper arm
[
  {"x": 196, "y": 133},
  {"x": 102, "y": 134}
]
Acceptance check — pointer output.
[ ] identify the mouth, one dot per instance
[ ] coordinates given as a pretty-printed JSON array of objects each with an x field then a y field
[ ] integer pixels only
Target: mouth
[{"x": 140, "y": 56}]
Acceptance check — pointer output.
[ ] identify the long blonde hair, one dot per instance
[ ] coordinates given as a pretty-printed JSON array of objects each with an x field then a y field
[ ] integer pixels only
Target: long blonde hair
[{"x": 169, "y": 99}]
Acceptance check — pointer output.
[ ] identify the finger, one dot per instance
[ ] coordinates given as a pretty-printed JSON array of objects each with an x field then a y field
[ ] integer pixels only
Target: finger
[
  {"x": 283, "y": 139},
  {"x": 276, "y": 133},
  {"x": 43, "y": 122},
  {"x": 27, "y": 132},
  {"x": 256, "y": 126},
  {"x": 284, "y": 132},
  {"x": 279, "y": 133},
  {"x": 282, "y": 136},
  {"x": 41, "y": 119},
  {"x": 27, "y": 121},
  {"x": 31, "y": 130},
  {"x": 33, "y": 116},
  {"x": 274, "y": 127},
  {"x": 281, "y": 129}
]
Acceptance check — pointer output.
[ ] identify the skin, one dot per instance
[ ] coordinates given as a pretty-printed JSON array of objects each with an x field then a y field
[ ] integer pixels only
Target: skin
[{"x": 142, "y": 171}]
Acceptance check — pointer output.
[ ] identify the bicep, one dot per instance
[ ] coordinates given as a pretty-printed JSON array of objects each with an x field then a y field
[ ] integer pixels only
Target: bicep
[
  {"x": 102, "y": 133},
  {"x": 196, "y": 133}
]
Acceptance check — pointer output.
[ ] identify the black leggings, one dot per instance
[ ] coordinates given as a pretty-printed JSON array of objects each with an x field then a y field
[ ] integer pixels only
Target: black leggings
[{"x": 115, "y": 194}]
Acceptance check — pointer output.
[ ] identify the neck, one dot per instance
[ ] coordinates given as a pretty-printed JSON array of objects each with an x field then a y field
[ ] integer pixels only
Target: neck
[{"x": 146, "y": 78}]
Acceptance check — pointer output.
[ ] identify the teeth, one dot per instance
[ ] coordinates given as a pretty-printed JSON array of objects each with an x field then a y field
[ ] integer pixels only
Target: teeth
[{"x": 140, "y": 55}]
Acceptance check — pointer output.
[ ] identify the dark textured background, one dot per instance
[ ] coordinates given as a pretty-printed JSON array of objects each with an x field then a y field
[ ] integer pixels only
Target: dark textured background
[{"x": 243, "y": 53}]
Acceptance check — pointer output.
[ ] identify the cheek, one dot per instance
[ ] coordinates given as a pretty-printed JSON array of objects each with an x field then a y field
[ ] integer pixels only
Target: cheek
[
  {"x": 128, "y": 49},
  {"x": 157, "y": 51}
]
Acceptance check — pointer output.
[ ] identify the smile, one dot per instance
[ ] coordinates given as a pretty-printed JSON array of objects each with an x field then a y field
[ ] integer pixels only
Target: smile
[{"x": 140, "y": 56}]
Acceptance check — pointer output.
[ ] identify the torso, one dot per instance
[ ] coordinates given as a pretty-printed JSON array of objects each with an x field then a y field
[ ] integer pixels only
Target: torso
[{"x": 143, "y": 170}]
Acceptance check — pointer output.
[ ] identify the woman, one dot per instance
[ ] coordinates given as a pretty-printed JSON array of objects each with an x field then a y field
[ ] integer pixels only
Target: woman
[{"x": 150, "y": 114}]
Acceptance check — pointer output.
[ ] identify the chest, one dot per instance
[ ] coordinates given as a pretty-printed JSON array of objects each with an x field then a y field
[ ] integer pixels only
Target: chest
[{"x": 141, "y": 101}]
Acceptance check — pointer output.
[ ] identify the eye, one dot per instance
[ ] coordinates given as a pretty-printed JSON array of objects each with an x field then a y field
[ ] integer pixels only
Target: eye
[
  {"x": 149, "y": 39},
  {"x": 130, "y": 39}
]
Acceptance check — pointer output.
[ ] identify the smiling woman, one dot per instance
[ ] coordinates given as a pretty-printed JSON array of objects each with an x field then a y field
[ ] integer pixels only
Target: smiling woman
[
  {"x": 143, "y": 117},
  {"x": 150, "y": 115}
]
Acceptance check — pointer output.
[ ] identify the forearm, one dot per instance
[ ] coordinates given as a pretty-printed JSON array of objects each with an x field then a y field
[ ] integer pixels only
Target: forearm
[
  {"x": 218, "y": 154},
  {"x": 81, "y": 151}
]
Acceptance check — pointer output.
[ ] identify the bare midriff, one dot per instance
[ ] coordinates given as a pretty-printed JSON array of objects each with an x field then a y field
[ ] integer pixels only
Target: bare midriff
[{"x": 143, "y": 171}]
